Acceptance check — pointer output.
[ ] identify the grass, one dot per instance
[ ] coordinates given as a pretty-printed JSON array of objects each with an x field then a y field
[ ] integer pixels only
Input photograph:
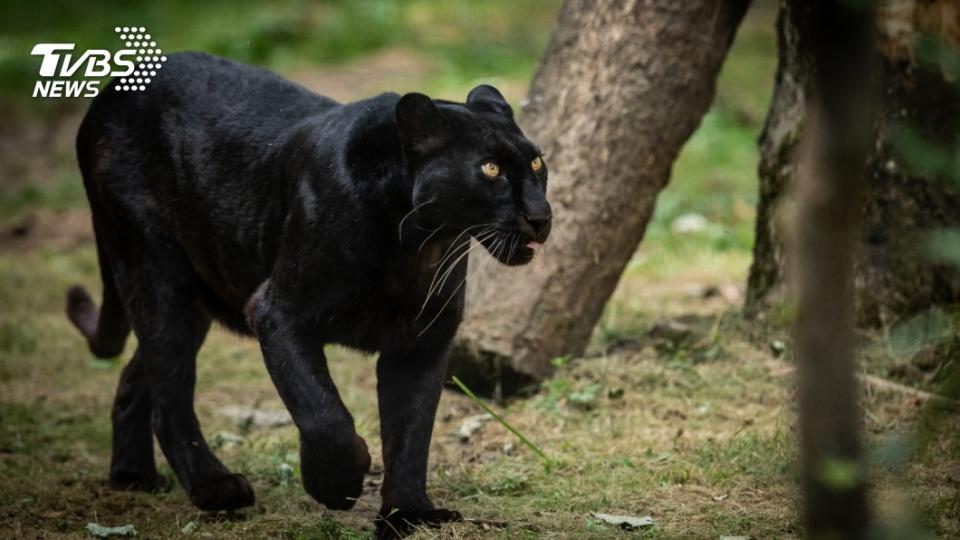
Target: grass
[
  {"x": 702, "y": 444},
  {"x": 480, "y": 403},
  {"x": 680, "y": 410}
]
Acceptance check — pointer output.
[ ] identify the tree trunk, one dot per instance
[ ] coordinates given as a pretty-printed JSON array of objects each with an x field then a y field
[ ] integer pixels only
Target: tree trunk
[
  {"x": 903, "y": 202},
  {"x": 836, "y": 36},
  {"x": 621, "y": 86}
]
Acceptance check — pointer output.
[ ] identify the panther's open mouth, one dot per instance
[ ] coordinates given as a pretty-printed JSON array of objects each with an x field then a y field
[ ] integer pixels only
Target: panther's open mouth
[{"x": 511, "y": 248}]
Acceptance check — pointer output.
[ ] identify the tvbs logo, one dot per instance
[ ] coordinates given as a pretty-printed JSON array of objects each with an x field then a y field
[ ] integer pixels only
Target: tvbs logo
[{"x": 64, "y": 72}]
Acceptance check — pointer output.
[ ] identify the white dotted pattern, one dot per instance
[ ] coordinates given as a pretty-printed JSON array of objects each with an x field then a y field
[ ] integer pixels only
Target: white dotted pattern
[{"x": 149, "y": 58}]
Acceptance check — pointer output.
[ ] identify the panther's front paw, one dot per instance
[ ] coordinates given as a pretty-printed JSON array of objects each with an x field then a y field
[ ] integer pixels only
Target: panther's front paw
[
  {"x": 398, "y": 523},
  {"x": 333, "y": 473}
]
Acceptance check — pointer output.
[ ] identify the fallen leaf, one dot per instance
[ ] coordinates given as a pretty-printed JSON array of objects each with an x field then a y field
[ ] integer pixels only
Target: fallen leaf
[
  {"x": 225, "y": 440},
  {"x": 689, "y": 224},
  {"x": 471, "y": 425},
  {"x": 627, "y": 523},
  {"x": 100, "y": 531},
  {"x": 584, "y": 398},
  {"x": 730, "y": 293},
  {"x": 673, "y": 331},
  {"x": 257, "y": 417},
  {"x": 285, "y": 473}
]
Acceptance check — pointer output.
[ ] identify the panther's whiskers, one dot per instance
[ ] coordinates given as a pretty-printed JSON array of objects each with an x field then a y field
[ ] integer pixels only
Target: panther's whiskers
[
  {"x": 454, "y": 247},
  {"x": 410, "y": 213},
  {"x": 440, "y": 266},
  {"x": 455, "y": 291},
  {"x": 427, "y": 239},
  {"x": 451, "y": 266},
  {"x": 451, "y": 250},
  {"x": 454, "y": 243}
]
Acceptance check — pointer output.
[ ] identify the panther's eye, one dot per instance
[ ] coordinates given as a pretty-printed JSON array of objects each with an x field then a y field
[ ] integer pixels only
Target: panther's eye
[
  {"x": 490, "y": 169},
  {"x": 536, "y": 164}
]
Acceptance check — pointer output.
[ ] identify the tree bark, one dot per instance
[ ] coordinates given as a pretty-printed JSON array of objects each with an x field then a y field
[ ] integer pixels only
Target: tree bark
[
  {"x": 621, "y": 86},
  {"x": 836, "y": 36},
  {"x": 902, "y": 203}
]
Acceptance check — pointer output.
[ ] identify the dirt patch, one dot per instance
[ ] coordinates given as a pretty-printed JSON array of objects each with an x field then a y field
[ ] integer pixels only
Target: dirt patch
[
  {"x": 391, "y": 70},
  {"x": 48, "y": 229},
  {"x": 397, "y": 70}
]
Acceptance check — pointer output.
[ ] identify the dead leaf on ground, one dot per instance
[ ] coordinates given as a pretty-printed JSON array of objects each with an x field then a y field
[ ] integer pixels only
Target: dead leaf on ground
[
  {"x": 627, "y": 523},
  {"x": 101, "y": 531},
  {"x": 471, "y": 425},
  {"x": 257, "y": 417}
]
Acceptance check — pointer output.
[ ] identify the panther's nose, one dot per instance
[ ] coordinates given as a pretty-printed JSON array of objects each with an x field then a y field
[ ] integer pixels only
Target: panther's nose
[{"x": 540, "y": 224}]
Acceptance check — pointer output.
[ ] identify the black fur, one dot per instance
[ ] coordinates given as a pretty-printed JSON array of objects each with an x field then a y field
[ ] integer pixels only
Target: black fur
[{"x": 224, "y": 192}]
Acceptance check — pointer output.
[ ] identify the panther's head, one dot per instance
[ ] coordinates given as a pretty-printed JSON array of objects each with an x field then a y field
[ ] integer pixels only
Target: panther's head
[{"x": 475, "y": 171}]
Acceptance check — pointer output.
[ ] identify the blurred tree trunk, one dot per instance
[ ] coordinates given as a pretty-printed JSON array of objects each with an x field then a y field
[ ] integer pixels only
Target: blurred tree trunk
[
  {"x": 903, "y": 200},
  {"x": 621, "y": 86},
  {"x": 837, "y": 36}
]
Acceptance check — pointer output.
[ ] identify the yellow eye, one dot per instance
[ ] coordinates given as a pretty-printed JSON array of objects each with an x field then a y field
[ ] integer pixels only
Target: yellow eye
[
  {"x": 536, "y": 164},
  {"x": 490, "y": 169}
]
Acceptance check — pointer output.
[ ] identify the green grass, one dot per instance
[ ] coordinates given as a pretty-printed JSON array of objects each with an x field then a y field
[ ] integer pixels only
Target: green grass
[
  {"x": 715, "y": 176},
  {"x": 703, "y": 445},
  {"x": 61, "y": 195}
]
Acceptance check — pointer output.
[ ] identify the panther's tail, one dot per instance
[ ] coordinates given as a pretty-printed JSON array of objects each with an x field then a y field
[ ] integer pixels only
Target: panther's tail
[{"x": 106, "y": 328}]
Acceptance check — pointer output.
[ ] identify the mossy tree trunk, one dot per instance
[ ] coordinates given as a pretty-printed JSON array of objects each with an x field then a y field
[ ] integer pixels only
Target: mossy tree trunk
[
  {"x": 621, "y": 86},
  {"x": 905, "y": 199}
]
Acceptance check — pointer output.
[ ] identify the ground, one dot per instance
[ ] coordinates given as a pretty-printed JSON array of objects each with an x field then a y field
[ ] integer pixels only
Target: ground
[{"x": 681, "y": 409}]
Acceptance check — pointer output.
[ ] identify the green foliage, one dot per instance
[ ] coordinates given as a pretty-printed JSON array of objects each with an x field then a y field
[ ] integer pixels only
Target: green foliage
[
  {"x": 839, "y": 474},
  {"x": 926, "y": 158},
  {"x": 933, "y": 50},
  {"x": 943, "y": 246},
  {"x": 935, "y": 159},
  {"x": 921, "y": 332},
  {"x": 498, "y": 38},
  {"x": 552, "y": 391}
]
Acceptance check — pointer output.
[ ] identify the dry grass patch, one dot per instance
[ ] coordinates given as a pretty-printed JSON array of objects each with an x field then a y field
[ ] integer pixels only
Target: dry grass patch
[{"x": 689, "y": 426}]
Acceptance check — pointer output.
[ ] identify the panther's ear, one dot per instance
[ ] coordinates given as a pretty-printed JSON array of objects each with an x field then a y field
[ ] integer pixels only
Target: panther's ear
[
  {"x": 420, "y": 124},
  {"x": 489, "y": 99}
]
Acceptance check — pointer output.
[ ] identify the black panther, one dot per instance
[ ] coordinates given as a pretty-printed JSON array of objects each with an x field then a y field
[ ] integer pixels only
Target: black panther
[{"x": 224, "y": 192}]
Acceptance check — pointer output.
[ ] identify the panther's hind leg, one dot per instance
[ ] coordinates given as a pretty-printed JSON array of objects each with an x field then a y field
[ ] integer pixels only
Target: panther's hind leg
[
  {"x": 170, "y": 326},
  {"x": 132, "y": 465}
]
